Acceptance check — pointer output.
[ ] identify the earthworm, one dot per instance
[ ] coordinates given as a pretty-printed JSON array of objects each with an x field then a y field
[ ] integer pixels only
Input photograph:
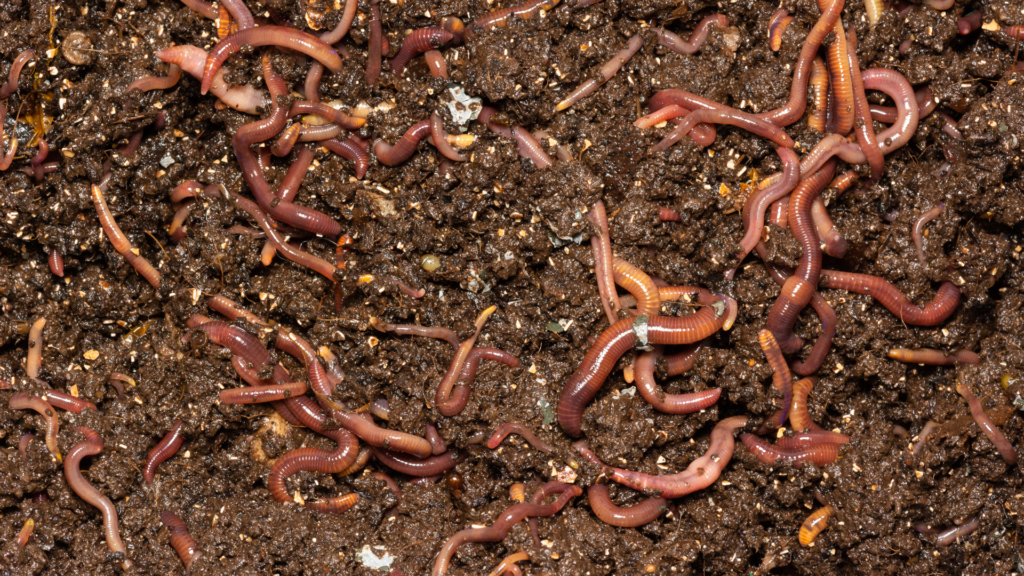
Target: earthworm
[
  {"x": 269, "y": 36},
  {"x": 435, "y": 61},
  {"x": 408, "y": 291},
  {"x": 941, "y": 307},
  {"x": 412, "y": 466},
  {"x": 453, "y": 391},
  {"x": 794, "y": 108},
  {"x": 499, "y": 18},
  {"x": 484, "y": 118},
  {"x": 900, "y": 432},
  {"x": 284, "y": 143},
  {"x": 420, "y": 40},
  {"x": 393, "y": 155},
  {"x": 23, "y": 444},
  {"x": 497, "y": 531},
  {"x": 643, "y": 372},
  {"x": 933, "y": 357},
  {"x": 181, "y": 539},
  {"x": 818, "y": 520},
  {"x": 778, "y": 212},
  {"x": 602, "y": 247},
  {"x": 91, "y": 446},
  {"x": 605, "y": 73},
  {"x": 289, "y": 187},
  {"x": 414, "y": 330},
  {"x": 621, "y": 336},
  {"x": 245, "y": 231},
  {"x": 120, "y": 242},
  {"x": 925, "y": 102},
  {"x": 668, "y": 215},
  {"x": 326, "y": 112},
  {"x": 969, "y": 23},
  {"x": 700, "y": 474},
  {"x": 256, "y": 395},
  {"x": 245, "y": 98},
  {"x": 319, "y": 133},
  {"x": 391, "y": 484},
  {"x": 800, "y": 287},
  {"x": 6, "y": 159},
  {"x": 25, "y": 401},
  {"x": 157, "y": 82},
  {"x": 167, "y": 447},
  {"x": 951, "y": 535},
  {"x": 662, "y": 110},
  {"x": 37, "y": 160},
  {"x": 11, "y": 86},
  {"x": 239, "y": 13},
  {"x": 862, "y": 124},
  {"x": 840, "y": 82},
  {"x": 818, "y": 117},
  {"x": 508, "y": 564},
  {"x": 232, "y": 309},
  {"x": 350, "y": 150},
  {"x": 334, "y": 505},
  {"x": 759, "y": 202},
  {"x": 517, "y": 428},
  {"x": 528, "y": 147},
  {"x": 115, "y": 380},
  {"x": 56, "y": 262},
  {"x": 437, "y": 443},
  {"x": 923, "y": 436},
  {"x": 994, "y": 434},
  {"x": 35, "y": 348},
  {"x": 439, "y": 137},
  {"x": 950, "y": 127},
  {"x": 799, "y": 419},
  {"x": 896, "y": 86},
  {"x": 782, "y": 380},
  {"x": 66, "y": 401},
  {"x": 311, "y": 88},
  {"x": 681, "y": 362},
  {"x": 373, "y": 58},
  {"x": 380, "y": 409},
  {"x": 177, "y": 230},
  {"x": 204, "y": 8},
  {"x": 815, "y": 436},
  {"x": 639, "y": 284},
  {"x": 454, "y": 25},
  {"x": 185, "y": 190},
  {"x": 833, "y": 242},
  {"x": 697, "y": 37},
  {"x": 939, "y": 4},
  {"x": 768, "y": 454},
  {"x": 1015, "y": 32},
  {"x": 627, "y": 517},
  {"x": 777, "y": 27},
  {"x": 360, "y": 462},
  {"x": 731, "y": 116},
  {"x": 25, "y": 533}
]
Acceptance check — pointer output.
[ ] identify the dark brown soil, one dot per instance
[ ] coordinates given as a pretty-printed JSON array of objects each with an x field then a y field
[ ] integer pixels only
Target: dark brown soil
[{"x": 506, "y": 235}]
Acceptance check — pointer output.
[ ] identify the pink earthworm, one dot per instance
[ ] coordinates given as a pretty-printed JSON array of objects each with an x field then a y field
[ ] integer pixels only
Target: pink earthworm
[
  {"x": 393, "y": 155},
  {"x": 777, "y": 27},
  {"x": 643, "y": 372},
  {"x": 813, "y": 437},
  {"x": 748, "y": 122},
  {"x": 373, "y": 58},
  {"x": 819, "y": 81},
  {"x": 517, "y": 428},
  {"x": 700, "y": 474},
  {"x": 604, "y": 74},
  {"x": 939, "y": 4},
  {"x": 157, "y": 82},
  {"x": 925, "y": 102},
  {"x": 120, "y": 242},
  {"x": 439, "y": 137},
  {"x": 453, "y": 391},
  {"x": 11, "y": 86},
  {"x": 37, "y": 160},
  {"x": 437, "y": 443},
  {"x": 863, "y": 126},
  {"x": 953, "y": 534},
  {"x": 668, "y": 215},
  {"x": 994, "y": 434},
  {"x": 191, "y": 59},
  {"x": 66, "y": 401},
  {"x": 639, "y": 284},
  {"x": 206, "y": 9},
  {"x": 969, "y": 23},
  {"x": 257, "y": 395},
  {"x": 167, "y": 447},
  {"x": 329, "y": 113},
  {"x": 408, "y": 291},
  {"x": 435, "y": 61},
  {"x": 269, "y": 36},
  {"x": 941, "y": 307},
  {"x": 6, "y": 159},
  {"x": 934, "y": 357},
  {"x": 177, "y": 230},
  {"x": 91, "y": 446},
  {"x": 351, "y": 150},
  {"x": 240, "y": 13},
  {"x": 697, "y": 37},
  {"x": 421, "y": 40},
  {"x": 181, "y": 539},
  {"x": 380, "y": 409},
  {"x": 233, "y": 310},
  {"x": 497, "y": 531},
  {"x": 782, "y": 380},
  {"x": 623, "y": 517},
  {"x": 25, "y": 401},
  {"x": 289, "y": 187},
  {"x": 660, "y": 115},
  {"x": 950, "y": 127},
  {"x": 923, "y": 436},
  {"x": 245, "y": 231},
  {"x": 242, "y": 367},
  {"x": 900, "y": 432},
  {"x": 507, "y": 565},
  {"x": 35, "y": 348},
  {"x": 499, "y": 18},
  {"x": 428, "y": 466},
  {"x": 485, "y": 118},
  {"x": 116, "y": 378},
  {"x": 756, "y": 205},
  {"x": 413, "y": 330},
  {"x": 917, "y": 232},
  {"x": 528, "y": 147},
  {"x": 820, "y": 454},
  {"x": 284, "y": 143},
  {"x": 185, "y": 190},
  {"x": 362, "y": 458},
  {"x": 683, "y": 361},
  {"x": 56, "y": 262},
  {"x": 311, "y": 88},
  {"x": 833, "y": 242},
  {"x": 23, "y": 444},
  {"x": 319, "y": 133},
  {"x": 674, "y": 103},
  {"x": 25, "y": 533},
  {"x": 344, "y": 24},
  {"x": 602, "y": 246}
]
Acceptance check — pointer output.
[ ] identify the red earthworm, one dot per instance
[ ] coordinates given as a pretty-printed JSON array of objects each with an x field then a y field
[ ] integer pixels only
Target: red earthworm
[
  {"x": 778, "y": 212},
  {"x": 777, "y": 27},
  {"x": 411, "y": 329},
  {"x": 339, "y": 31},
  {"x": 484, "y": 118},
  {"x": 840, "y": 82},
  {"x": 319, "y": 133},
  {"x": 923, "y": 436},
  {"x": 799, "y": 419},
  {"x": 925, "y": 102},
  {"x": 120, "y": 242},
  {"x": 664, "y": 106},
  {"x": 768, "y": 454},
  {"x": 245, "y": 98},
  {"x": 420, "y": 40},
  {"x": 23, "y": 444},
  {"x": 437, "y": 443},
  {"x": 6, "y": 159},
  {"x": 239, "y": 13},
  {"x": 639, "y": 284},
  {"x": 760, "y": 201},
  {"x": 289, "y": 187},
  {"x": 177, "y": 230},
  {"x": 681, "y": 362},
  {"x": 257, "y": 395},
  {"x": 373, "y": 59},
  {"x": 393, "y": 155},
  {"x": 969, "y": 23},
  {"x": 663, "y": 114},
  {"x": 700, "y": 474},
  {"x": 350, "y": 150},
  {"x": 206, "y": 9},
  {"x": 25, "y": 533},
  {"x": 1015, "y": 32},
  {"x": 700, "y": 33},
  {"x": 606, "y": 72},
  {"x": 35, "y": 348},
  {"x": 949, "y": 126},
  {"x": 643, "y": 371},
  {"x": 56, "y": 262},
  {"x": 435, "y": 61},
  {"x": 782, "y": 380},
  {"x": 391, "y": 484},
  {"x": 429, "y": 466},
  {"x": 453, "y": 391},
  {"x": 409, "y": 291},
  {"x": 362, "y": 458},
  {"x": 37, "y": 160},
  {"x": 833, "y": 242},
  {"x": 497, "y": 531},
  {"x": 181, "y": 539},
  {"x": 157, "y": 82},
  {"x": 480, "y": 353},
  {"x": 24, "y": 401},
  {"x": 813, "y": 437},
  {"x": 862, "y": 124},
  {"x": 528, "y": 147},
  {"x": 602, "y": 247},
  {"x": 269, "y": 36},
  {"x": 499, "y": 18},
  {"x": 748, "y": 122},
  {"x": 814, "y": 524},
  {"x": 455, "y": 26},
  {"x": 91, "y": 446},
  {"x": 66, "y": 401},
  {"x": 311, "y": 88},
  {"x": 329, "y": 113},
  {"x": 439, "y": 137},
  {"x": 953, "y": 534},
  {"x": 819, "y": 81},
  {"x": 939, "y": 4},
  {"x": 380, "y": 409},
  {"x": 994, "y": 434},
  {"x": 894, "y": 85},
  {"x": 933, "y": 357},
  {"x": 115, "y": 380},
  {"x": 941, "y": 307},
  {"x": 508, "y": 564},
  {"x": 185, "y": 190},
  {"x": 167, "y": 447},
  {"x": 232, "y": 309},
  {"x": 425, "y": 480},
  {"x": 621, "y": 336},
  {"x": 623, "y": 517},
  {"x": 245, "y": 231},
  {"x": 284, "y": 143},
  {"x": 334, "y": 505},
  {"x": 11, "y": 86},
  {"x": 517, "y": 428},
  {"x": 668, "y": 215},
  {"x": 794, "y": 108}
]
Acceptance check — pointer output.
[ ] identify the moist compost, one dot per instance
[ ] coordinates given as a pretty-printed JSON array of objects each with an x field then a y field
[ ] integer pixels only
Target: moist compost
[{"x": 507, "y": 234}]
